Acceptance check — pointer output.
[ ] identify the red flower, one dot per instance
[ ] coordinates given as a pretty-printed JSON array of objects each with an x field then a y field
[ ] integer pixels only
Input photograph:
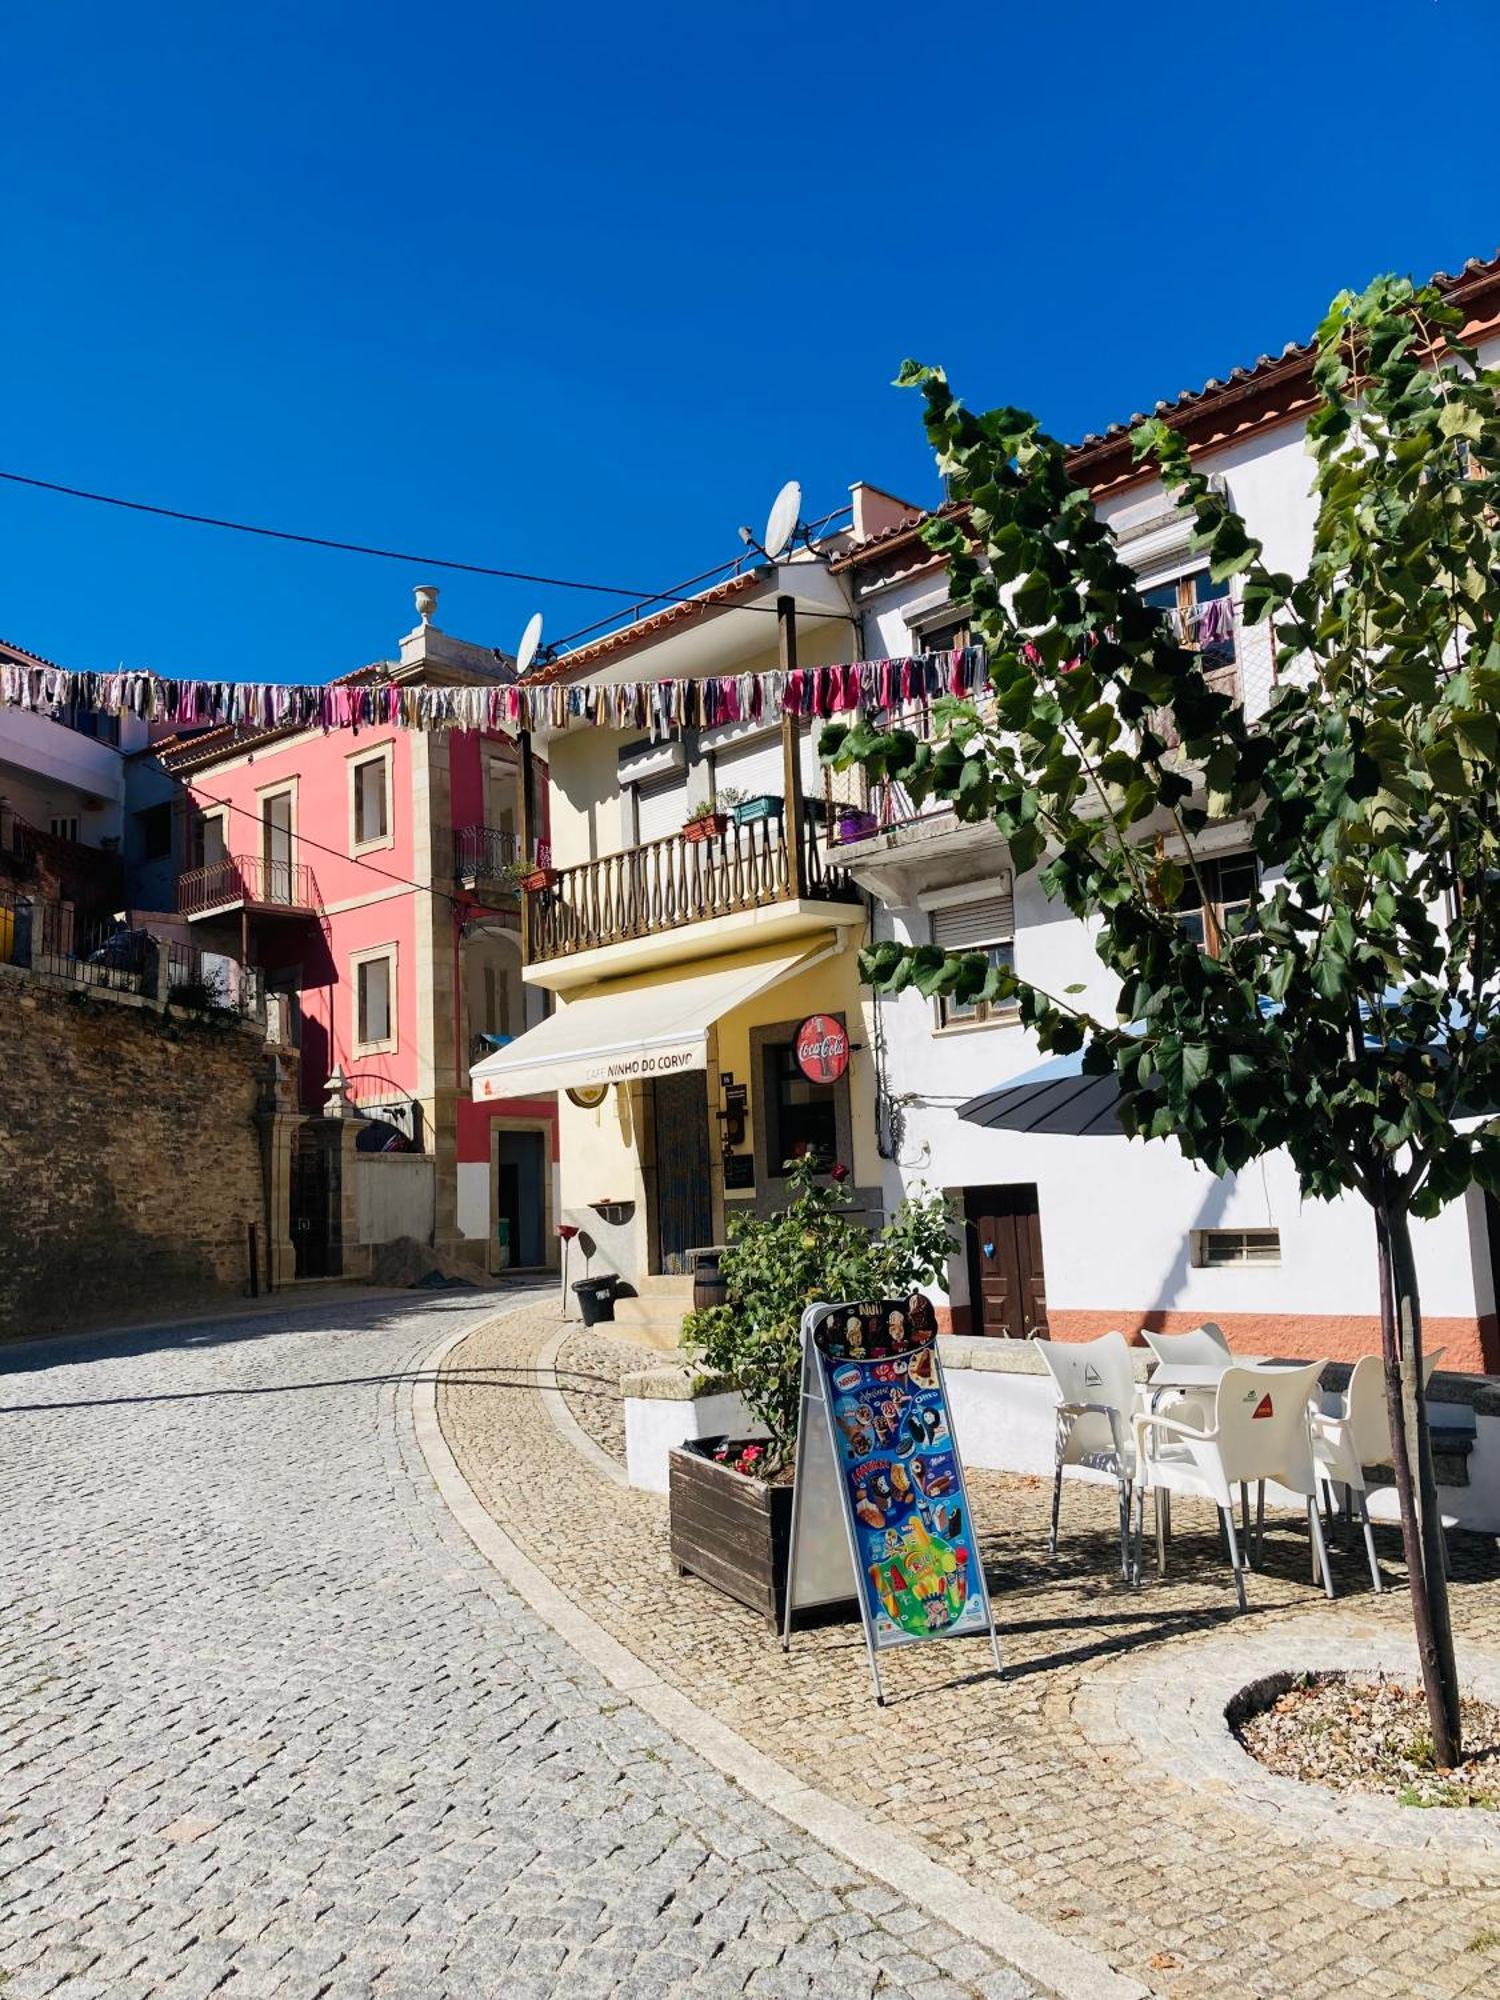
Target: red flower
[{"x": 840, "y": 1172}]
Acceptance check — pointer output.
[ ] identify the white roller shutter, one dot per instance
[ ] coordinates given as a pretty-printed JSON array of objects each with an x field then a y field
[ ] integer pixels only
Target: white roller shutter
[
  {"x": 966, "y": 926},
  {"x": 753, "y": 767},
  {"x": 660, "y": 807}
]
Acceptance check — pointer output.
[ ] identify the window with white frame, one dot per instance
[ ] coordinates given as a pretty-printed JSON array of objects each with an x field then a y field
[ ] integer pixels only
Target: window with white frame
[
  {"x": 983, "y": 924},
  {"x": 374, "y": 999},
  {"x": 370, "y": 800},
  {"x": 1235, "y": 1248}
]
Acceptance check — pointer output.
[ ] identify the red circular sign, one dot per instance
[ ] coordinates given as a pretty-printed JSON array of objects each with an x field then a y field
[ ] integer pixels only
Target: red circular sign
[{"x": 822, "y": 1048}]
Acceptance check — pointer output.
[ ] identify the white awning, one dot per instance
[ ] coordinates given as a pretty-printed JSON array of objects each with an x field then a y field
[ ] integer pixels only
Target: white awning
[{"x": 621, "y": 1033}]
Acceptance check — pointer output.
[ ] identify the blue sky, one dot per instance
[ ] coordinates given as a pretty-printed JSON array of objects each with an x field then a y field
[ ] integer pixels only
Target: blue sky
[{"x": 574, "y": 289}]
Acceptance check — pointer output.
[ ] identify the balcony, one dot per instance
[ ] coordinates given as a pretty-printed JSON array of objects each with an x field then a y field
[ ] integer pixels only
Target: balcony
[
  {"x": 65, "y": 870},
  {"x": 489, "y": 858},
  {"x": 248, "y": 883},
  {"x": 664, "y": 884}
]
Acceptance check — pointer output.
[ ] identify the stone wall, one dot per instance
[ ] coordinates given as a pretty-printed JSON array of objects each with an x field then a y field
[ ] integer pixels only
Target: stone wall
[{"x": 130, "y": 1161}]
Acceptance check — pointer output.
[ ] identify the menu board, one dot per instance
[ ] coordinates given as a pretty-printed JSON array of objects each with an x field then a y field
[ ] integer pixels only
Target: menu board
[{"x": 884, "y": 1439}]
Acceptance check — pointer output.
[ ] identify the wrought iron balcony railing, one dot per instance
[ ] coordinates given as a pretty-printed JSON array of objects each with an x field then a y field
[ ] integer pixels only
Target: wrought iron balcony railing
[
  {"x": 666, "y": 883},
  {"x": 247, "y": 881}
]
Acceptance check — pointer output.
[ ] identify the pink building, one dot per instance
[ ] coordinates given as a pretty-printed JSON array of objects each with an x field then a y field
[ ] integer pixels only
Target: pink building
[{"x": 371, "y": 877}]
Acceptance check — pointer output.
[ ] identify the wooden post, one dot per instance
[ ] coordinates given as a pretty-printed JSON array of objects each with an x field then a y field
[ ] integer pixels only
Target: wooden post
[
  {"x": 793, "y": 831},
  {"x": 525, "y": 813}
]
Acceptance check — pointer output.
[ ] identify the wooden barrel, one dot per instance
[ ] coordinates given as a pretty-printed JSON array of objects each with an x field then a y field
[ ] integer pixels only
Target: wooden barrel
[{"x": 710, "y": 1288}]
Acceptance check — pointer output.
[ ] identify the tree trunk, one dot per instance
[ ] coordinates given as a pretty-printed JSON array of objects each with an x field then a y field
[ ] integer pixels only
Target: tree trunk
[{"x": 1416, "y": 1485}]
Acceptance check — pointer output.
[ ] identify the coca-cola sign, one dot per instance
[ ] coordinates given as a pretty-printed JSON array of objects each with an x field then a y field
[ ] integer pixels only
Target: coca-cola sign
[{"x": 822, "y": 1046}]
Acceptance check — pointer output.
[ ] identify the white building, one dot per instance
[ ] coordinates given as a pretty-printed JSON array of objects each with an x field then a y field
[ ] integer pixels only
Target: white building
[{"x": 1078, "y": 1235}]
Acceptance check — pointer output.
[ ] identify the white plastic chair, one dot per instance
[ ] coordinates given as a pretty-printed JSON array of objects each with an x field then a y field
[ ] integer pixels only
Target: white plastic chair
[
  {"x": 1202, "y": 1347},
  {"x": 1260, "y": 1431},
  {"x": 1095, "y": 1381},
  {"x": 1355, "y": 1433}
]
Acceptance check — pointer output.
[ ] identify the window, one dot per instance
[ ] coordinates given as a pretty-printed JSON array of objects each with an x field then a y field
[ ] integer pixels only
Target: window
[
  {"x": 943, "y": 635},
  {"x": 1185, "y": 600},
  {"x": 209, "y": 844},
  {"x": 155, "y": 824},
  {"x": 984, "y": 924},
  {"x": 64, "y": 828},
  {"x": 375, "y": 998},
  {"x": 660, "y": 807},
  {"x": 801, "y": 1117},
  {"x": 1232, "y": 883},
  {"x": 1215, "y": 1248},
  {"x": 371, "y": 801},
  {"x": 276, "y": 847}
]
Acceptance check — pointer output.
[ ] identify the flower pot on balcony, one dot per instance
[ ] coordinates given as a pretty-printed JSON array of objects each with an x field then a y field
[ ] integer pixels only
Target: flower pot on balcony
[
  {"x": 539, "y": 878},
  {"x": 767, "y": 806},
  {"x": 708, "y": 826},
  {"x": 728, "y": 1527},
  {"x": 854, "y": 825}
]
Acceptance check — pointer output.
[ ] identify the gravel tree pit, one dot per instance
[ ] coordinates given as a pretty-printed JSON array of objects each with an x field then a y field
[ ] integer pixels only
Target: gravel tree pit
[{"x": 1365, "y": 1733}]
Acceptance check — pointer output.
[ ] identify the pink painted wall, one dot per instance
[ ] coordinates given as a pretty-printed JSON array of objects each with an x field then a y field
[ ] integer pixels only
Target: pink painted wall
[{"x": 386, "y": 912}]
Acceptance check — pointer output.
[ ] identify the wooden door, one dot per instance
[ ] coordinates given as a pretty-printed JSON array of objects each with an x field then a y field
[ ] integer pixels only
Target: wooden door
[
  {"x": 315, "y": 1177},
  {"x": 684, "y": 1193},
  {"x": 1007, "y": 1286}
]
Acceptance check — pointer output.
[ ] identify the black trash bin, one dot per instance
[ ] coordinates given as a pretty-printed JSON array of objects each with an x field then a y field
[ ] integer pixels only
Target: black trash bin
[{"x": 596, "y": 1298}]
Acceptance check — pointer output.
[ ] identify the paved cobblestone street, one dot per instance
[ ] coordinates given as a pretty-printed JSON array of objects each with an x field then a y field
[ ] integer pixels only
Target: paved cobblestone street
[
  {"x": 1099, "y": 1791},
  {"x": 269, "y": 1724}
]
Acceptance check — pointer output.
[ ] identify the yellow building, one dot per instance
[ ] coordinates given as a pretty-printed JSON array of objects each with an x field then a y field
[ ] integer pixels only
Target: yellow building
[{"x": 682, "y": 967}]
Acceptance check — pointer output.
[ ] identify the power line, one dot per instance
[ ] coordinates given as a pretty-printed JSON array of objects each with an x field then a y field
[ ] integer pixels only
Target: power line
[
  {"x": 351, "y": 860},
  {"x": 636, "y": 597}
]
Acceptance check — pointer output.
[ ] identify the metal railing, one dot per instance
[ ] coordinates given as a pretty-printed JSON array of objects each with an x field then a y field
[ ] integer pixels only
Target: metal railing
[
  {"x": 664, "y": 883},
  {"x": 50, "y": 938},
  {"x": 492, "y": 854},
  {"x": 237, "y": 879},
  {"x": 66, "y": 870}
]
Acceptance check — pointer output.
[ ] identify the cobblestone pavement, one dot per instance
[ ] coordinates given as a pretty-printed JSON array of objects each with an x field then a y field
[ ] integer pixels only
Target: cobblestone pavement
[
  {"x": 1077, "y": 1795},
  {"x": 589, "y": 1368},
  {"x": 269, "y": 1724}
]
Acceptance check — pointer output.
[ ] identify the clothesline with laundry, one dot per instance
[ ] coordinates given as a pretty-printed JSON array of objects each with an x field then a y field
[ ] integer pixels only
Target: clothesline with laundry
[{"x": 874, "y": 686}]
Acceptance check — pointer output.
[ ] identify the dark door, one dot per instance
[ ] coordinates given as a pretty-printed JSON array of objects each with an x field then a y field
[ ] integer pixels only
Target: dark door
[
  {"x": 314, "y": 1199},
  {"x": 1007, "y": 1288},
  {"x": 520, "y": 1194},
  {"x": 684, "y": 1198}
]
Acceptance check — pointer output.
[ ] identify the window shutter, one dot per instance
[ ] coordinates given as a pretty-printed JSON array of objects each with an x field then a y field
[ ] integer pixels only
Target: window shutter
[
  {"x": 660, "y": 807},
  {"x": 754, "y": 768},
  {"x": 965, "y": 926}
]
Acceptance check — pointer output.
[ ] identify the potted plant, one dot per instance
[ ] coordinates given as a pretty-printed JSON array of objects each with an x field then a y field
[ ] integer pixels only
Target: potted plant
[
  {"x": 731, "y": 1498},
  {"x": 764, "y": 805},
  {"x": 532, "y": 875},
  {"x": 705, "y": 822},
  {"x": 854, "y": 823}
]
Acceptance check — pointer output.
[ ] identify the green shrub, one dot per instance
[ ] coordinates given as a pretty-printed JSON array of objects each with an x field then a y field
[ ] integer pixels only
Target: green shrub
[{"x": 809, "y": 1250}]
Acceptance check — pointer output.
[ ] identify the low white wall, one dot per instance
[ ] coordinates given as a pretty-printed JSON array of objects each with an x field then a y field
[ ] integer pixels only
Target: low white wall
[
  {"x": 394, "y": 1196},
  {"x": 1002, "y": 1422},
  {"x": 657, "y": 1422}
]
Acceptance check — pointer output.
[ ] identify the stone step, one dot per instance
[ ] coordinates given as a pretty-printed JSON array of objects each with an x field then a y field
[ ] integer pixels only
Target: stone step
[
  {"x": 653, "y": 1320},
  {"x": 665, "y": 1285}
]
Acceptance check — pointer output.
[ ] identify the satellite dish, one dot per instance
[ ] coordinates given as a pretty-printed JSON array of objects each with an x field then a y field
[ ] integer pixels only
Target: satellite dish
[
  {"x": 531, "y": 638},
  {"x": 781, "y": 525}
]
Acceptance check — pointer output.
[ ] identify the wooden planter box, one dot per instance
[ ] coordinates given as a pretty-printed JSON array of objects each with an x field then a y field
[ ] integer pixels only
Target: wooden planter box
[{"x": 731, "y": 1530}]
